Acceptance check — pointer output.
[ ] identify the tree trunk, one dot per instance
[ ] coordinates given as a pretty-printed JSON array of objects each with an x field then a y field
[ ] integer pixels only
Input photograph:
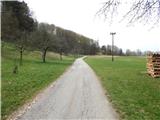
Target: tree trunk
[
  {"x": 44, "y": 54},
  {"x": 15, "y": 69},
  {"x": 60, "y": 55},
  {"x": 21, "y": 55}
]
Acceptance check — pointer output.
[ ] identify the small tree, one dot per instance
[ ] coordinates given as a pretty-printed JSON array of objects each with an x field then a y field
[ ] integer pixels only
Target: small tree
[
  {"x": 17, "y": 23},
  {"x": 43, "y": 38},
  {"x": 109, "y": 49},
  {"x": 120, "y": 52},
  {"x": 94, "y": 47},
  {"x": 62, "y": 44},
  {"x": 104, "y": 50},
  {"x": 139, "y": 52}
]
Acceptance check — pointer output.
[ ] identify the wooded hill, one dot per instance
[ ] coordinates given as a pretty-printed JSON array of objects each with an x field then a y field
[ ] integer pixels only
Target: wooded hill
[{"x": 20, "y": 28}]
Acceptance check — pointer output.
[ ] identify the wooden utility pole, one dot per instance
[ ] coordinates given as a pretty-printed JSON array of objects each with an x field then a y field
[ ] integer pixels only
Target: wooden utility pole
[{"x": 112, "y": 33}]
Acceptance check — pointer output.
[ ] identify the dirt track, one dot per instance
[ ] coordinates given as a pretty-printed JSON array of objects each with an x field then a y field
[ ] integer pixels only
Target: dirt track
[{"x": 77, "y": 94}]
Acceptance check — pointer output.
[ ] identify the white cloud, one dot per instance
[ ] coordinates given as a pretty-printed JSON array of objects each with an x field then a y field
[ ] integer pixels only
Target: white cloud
[{"x": 79, "y": 16}]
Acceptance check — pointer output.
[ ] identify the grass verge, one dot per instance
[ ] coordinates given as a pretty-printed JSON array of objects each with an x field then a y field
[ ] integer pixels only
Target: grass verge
[
  {"x": 32, "y": 76},
  {"x": 134, "y": 94}
]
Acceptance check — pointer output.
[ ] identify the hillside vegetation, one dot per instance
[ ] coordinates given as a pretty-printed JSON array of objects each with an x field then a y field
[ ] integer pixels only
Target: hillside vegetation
[{"x": 32, "y": 76}]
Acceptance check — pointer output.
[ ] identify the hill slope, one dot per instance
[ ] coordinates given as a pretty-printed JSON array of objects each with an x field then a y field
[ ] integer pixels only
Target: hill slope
[{"x": 32, "y": 76}]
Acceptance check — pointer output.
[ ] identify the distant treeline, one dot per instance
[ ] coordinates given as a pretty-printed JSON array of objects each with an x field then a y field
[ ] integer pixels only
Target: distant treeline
[{"x": 107, "y": 50}]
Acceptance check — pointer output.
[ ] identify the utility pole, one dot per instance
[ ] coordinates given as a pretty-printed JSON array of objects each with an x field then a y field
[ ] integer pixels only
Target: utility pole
[{"x": 112, "y": 33}]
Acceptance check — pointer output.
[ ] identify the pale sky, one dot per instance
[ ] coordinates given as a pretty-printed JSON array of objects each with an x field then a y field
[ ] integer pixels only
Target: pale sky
[{"x": 79, "y": 16}]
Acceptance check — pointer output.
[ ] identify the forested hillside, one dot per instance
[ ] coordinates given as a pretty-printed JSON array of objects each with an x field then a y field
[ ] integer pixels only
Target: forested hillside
[{"x": 25, "y": 32}]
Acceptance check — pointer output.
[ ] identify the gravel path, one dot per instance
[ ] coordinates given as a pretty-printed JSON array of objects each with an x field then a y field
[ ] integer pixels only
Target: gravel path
[{"x": 77, "y": 94}]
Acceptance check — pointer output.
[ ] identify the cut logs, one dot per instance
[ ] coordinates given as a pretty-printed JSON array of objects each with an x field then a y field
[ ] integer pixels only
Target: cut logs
[{"x": 153, "y": 65}]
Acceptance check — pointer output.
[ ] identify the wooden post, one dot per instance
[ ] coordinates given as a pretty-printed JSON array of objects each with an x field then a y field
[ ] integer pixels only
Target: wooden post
[{"x": 112, "y": 33}]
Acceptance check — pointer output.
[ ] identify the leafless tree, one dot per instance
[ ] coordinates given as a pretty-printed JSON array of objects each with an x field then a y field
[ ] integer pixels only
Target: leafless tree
[{"x": 140, "y": 10}]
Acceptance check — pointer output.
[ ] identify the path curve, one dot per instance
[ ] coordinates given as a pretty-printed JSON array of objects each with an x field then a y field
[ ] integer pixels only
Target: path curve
[{"x": 77, "y": 94}]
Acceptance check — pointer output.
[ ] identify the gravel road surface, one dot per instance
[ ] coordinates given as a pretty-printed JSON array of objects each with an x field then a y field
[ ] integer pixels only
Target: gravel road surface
[{"x": 77, "y": 94}]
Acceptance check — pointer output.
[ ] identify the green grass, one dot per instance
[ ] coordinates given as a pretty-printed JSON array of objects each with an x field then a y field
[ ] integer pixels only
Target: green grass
[
  {"x": 32, "y": 76},
  {"x": 134, "y": 94}
]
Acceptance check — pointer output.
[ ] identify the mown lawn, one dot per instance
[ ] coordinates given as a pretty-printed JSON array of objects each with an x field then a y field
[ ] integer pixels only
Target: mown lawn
[
  {"x": 32, "y": 76},
  {"x": 134, "y": 94}
]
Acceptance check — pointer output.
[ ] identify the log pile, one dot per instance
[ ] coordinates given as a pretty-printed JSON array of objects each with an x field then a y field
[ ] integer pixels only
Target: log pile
[{"x": 153, "y": 65}]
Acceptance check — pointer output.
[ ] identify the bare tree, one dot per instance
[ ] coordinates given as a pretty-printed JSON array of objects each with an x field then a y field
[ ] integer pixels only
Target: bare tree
[
  {"x": 43, "y": 38},
  {"x": 140, "y": 10}
]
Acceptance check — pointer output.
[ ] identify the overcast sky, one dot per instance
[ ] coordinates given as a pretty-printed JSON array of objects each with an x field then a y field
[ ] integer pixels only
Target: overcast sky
[{"x": 79, "y": 16}]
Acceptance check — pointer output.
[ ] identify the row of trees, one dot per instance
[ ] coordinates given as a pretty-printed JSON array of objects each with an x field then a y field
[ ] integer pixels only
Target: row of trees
[
  {"x": 19, "y": 27},
  {"x": 49, "y": 37},
  {"x": 107, "y": 50}
]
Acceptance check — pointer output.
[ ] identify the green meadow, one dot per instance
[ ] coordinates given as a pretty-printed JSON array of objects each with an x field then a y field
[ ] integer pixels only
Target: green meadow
[
  {"x": 32, "y": 76},
  {"x": 134, "y": 94}
]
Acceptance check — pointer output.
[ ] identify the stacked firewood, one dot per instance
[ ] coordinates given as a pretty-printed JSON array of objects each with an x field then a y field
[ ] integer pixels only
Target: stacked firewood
[{"x": 153, "y": 65}]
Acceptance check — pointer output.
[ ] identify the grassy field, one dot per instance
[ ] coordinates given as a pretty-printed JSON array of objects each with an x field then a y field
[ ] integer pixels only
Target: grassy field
[
  {"x": 134, "y": 94},
  {"x": 32, "y": 76}
]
